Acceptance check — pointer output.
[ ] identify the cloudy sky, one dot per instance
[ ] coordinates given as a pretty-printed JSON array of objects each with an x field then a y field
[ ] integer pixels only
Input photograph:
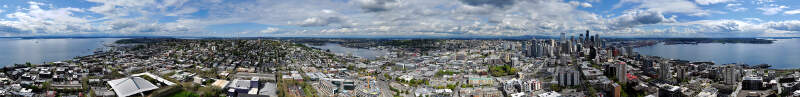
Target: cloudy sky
[{"x": 403, "y": 18}]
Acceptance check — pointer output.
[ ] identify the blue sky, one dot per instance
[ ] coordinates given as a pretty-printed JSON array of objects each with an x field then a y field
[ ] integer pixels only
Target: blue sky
[{"x": 402, "y": 18}]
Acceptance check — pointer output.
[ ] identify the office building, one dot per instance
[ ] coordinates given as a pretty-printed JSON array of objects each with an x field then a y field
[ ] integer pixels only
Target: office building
[
  {"x": 568, "y": 77},
  {"x": 622, "y": 70},
  {"x": 664, "y": 73}
]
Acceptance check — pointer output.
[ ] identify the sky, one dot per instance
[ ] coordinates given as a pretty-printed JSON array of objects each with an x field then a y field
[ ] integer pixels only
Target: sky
[{"x": 400, "y": 18}]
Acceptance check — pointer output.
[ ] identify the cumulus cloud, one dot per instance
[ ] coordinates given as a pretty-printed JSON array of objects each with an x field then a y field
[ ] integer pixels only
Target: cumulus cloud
[
  {"x": 772, "y": 10},
  {"x": 38, "y": 19},
  {"x": 709, "y": 2},
  {"x": 495, "y": 3},
  {"x": 793, "y": 25},
  {"x": 377, "y": 5},
  {"x": 668, "y": 6},
  {"x": 639, "y": 17},
  {"x": 320, "y": 21},
  {"x": 270, "y": 30},
  {"x": 740, "y": 28},
  {"x": 183, "y": 11},
  {"x": 792, "y": 12},
  {"x": 753, "y": 19},
  {"x": 735, "y": 7},
  {"x": 582, "y": 4},
  {"x": 386, "y": 18},
  {"x": 116, "y": 8},
  {"x": 9, "y": 29},
  {"x": 35, "y": 19},
  {"x": 119, "y": 25}
]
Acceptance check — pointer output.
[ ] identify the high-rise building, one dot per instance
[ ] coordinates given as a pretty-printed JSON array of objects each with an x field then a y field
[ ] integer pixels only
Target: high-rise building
[
  {"x": 536, "y": 49},
  {"x": 539, "y": 50},
  {"x": 731, "y": 74},
  {"x": 568, "y": 76},
  {"x": 571, "y": 45},
  {"x": 528, "y": 47},
  {"x": 595, "y": 41},
  {"x": 682, "y": 72},
  {"x": 628, "y": 51},
  {"x": 586, "y": 39},
  {"x": 622, "y": 71},
  {"x": 580, "y": 39},
  {"x": 563, "y": 37},
  {"x": 752, "y": 83},
  {"x": 590, "y": 42},
  {"x": 663, "y": 71},
  {"x": 647, "y": 67}
]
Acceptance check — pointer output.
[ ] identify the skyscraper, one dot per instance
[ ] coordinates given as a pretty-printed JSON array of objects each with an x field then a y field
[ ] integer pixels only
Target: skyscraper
[
  {"x": 563, "y": 37},
  {"x": 731, "y": 74},
  {"x": 568, "y": 76},
  {"x": 622, "y": 71},
  {"x": 587, "y": 36},
  {"x": 663, "y": 71},
  {"x": 597, "y": 40}
]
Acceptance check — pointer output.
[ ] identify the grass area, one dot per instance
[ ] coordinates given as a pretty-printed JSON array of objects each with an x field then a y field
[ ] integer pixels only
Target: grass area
[
  {"x": 502, "y": 70},
  {"x": 185, "y": 94}
]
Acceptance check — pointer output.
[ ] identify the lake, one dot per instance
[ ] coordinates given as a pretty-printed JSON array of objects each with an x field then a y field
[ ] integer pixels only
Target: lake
[
  {"x": 360, "y": 52},
  {"x": 37, "y": 51},
  {"x": 782, "y": 54}
]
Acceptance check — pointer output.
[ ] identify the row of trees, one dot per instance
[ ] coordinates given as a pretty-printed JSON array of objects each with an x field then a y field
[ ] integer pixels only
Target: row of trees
[{"x": 502, "y": 70}]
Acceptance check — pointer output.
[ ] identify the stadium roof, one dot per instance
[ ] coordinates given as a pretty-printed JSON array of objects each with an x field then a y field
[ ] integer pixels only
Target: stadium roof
[{"x": 131, "y": 85}]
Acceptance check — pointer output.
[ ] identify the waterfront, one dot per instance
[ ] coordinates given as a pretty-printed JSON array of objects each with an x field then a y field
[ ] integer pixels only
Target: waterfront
[
  {"x": 782, "y": 54},
  {"x": 37, "y": 51},
  {"x": 360, "y": 52}
]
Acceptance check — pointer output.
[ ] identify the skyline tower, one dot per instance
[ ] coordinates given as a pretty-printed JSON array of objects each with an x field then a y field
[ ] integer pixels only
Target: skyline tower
[
  {"x": 587, "y": 36},
  {"x": 563, "y": 37}
]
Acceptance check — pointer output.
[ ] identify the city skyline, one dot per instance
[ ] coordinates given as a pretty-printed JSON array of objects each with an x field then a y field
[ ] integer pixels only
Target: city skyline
[{"x": 400, "y": 18}]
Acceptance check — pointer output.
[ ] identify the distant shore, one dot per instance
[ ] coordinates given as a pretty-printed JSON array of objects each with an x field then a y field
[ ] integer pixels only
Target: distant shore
[{"x": 672, "y": 41}]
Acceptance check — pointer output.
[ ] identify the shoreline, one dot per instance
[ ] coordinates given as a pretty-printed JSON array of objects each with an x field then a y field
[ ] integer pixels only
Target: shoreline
[{"x": 104, "y": 47}]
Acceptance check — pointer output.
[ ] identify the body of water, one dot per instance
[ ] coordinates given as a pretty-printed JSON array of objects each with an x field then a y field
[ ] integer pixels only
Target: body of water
[
  {"x": 37, "y": 51},
  {"x": 341, "y": 50},
  {"x": 782, "y": 54}
]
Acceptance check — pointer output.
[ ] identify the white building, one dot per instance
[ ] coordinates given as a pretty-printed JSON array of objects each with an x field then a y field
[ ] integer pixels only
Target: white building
[
  {"x": 131, "y": 85},
  {"x": 550, "y": 94},
  {"x": 622, "y": 70}
]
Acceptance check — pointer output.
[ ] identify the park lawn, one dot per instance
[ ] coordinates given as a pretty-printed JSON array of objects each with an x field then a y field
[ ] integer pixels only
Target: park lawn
[{"x": 184, "y": 94}]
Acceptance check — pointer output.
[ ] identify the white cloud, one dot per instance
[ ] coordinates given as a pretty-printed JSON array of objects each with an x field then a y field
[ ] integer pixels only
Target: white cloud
[
  {"x": 320, "y": 21},
  {"x": 738, "y": 28},
  {"x": 40, "y": 21},
  {"x": 753, "y": 19},
  {"x": 35, "y": 3},
  {"x": 581, "y": 4},
  {"x": 46, "y": 20},
  {"x": 709, "y": 2},
  {"x": 119, "y": 8},
  {"x": 378, "y": 5},
  {"x": 793, "y": 25},
  {"x": 269, "y": 30},
  {"x": 792, "y": 12},
  {"x": 183, "y": 11},
  {"x": 639, "y": 17},
  {"x": 668, "y": 6},
  {"x": 384, "y": 17},
  {"x": 772, "y": 10},
  {"x": 736, "y": 7}
]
